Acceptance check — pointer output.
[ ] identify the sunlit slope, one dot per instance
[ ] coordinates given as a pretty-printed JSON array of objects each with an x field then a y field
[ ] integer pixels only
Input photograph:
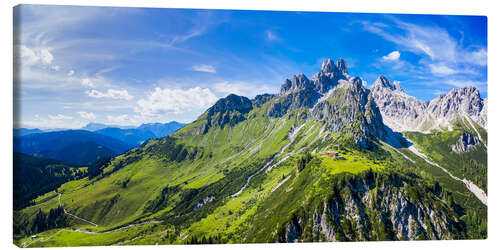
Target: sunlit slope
[
  {"x": 242, "y": 175},
  {"x": 471, "y": 164},
  {"x": 134, "y": 180}
]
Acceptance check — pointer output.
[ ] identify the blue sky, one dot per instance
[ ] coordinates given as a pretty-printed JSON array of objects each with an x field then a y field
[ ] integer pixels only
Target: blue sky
[{"x": 128, "y": 66}]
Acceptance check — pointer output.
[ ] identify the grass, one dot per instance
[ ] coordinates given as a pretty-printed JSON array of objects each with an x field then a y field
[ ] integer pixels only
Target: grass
[
  {"x": 353, "y": 163},
  {"x": 226, "y": 156}
]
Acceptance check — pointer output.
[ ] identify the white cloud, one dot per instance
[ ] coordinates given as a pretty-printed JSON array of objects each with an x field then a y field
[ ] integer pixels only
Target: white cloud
[
  {"x": 46, "y": 56},
  {"x": 59, "y": 117},
  {"x": 32, "y": 56},
  {"x": 432, "y": 41},
  {"x": 441, "y": 69},
  {"x": 53, "y": 121},
  {"x": 163, "y": 101},
  {"x": 393, "y": 56},
  {"x": 56, "y": 67},
  {"x": 87, "y": 83},
  {"x": 204, "y": 68},
  {"x": 87, "y": 115},
  {"x": 438, "y": 92},
  {"x": 111, "y": 93},
  {"x": 184, "y": 37},
  {"x": 478, "y": 57},
  {"x": 271, "y": 36},
  {"x": 118, "y": 119},
  {"x": 71, "y": 73},
  {"x": 25, "y": 55},
  {"x": 465, "y": 83}
]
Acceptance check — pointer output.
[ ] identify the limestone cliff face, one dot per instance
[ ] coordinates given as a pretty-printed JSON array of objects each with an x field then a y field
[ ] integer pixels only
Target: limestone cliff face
[
  {"x": 367, "y": 210},
  {"x": 349, "y": 108},
  {"x": 402, "y": 112},
  {"x": 465, "y": 143},
  {"x": 333, "y": 96},
  {"x": 399, "y": 110}
]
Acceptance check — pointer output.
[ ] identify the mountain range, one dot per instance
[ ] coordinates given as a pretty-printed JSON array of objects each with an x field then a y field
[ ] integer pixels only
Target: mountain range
[
  {"x": 402, "y": 112},
  {"x": 88, "y": 144},
  {"x": 325, "y": 159}
]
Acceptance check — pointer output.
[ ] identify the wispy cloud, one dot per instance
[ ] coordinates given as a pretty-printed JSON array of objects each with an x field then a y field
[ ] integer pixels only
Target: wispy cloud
[
  {"x": 118, "y": 119},
  {"x": 465, "y": 83},
  {"x": 440, "y": 51},
  {"x": 272, "y": 36},
  {"x": 87, "y": 83},
  {"x": 204, "y": 68},
  {"x": 59, "y": 117},
  {"x": 110, "y": 93},
  {"x": 441, "y": 69},
  {"x": 87, "y": 115}
]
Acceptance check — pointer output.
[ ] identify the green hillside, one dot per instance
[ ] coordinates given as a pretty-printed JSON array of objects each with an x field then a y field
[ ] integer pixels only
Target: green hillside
[{"x": 238, "y": 174}]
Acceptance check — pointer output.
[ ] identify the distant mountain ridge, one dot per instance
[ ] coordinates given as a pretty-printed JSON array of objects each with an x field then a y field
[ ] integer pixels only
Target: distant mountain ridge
[
  {"x": 26, "y": 131},
  {"x": 91, "y": 126},
  {"x": 402, "y": 112},
  {"x": 77, "y": 147},
  {"x": 83, "y": 147},
  {"x": 137, "y": 135}
]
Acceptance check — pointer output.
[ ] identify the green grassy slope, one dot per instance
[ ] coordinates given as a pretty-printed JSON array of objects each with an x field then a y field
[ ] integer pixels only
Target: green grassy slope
[{"x": 187, "y": 181}]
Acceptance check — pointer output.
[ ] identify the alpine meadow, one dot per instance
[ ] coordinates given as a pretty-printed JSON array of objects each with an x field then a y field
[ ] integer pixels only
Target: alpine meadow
[{"x": 181, "y": 126}]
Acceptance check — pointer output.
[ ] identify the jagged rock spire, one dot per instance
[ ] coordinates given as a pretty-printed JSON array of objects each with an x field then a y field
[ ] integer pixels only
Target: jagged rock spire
[
  {"x": 342, "y": 66},
  {"x": 324, "y": 80},
  {"x": 384, "y": 82},
  {"x": 328, "y": 66}
]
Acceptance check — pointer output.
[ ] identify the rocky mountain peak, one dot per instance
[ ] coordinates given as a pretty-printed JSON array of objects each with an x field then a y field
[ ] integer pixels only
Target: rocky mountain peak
[
  {"x": 467, "y": 92},
  {"x": 299, "y": 81},
  {"x": 232, "y": 102},
  {"x": 342, "y": 66},
  {"x": 458, "y": 102},
  {"x": 402, "y": 112},
  {"x": 328, "y": 66},
  {"x": 384, "y": 82},
  {"x": 229, "y": 110}
]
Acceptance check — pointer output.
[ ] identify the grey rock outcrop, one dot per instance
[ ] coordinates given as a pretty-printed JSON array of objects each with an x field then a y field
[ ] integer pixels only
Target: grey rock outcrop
[
  {"x": 399, "y": 110},
  {"x": 465, "y": 143},
  {"x": 350, "y": 109},
  {"x": 402, "y": 112},
  {"x": 364, "y": 211},
  {"x": 338, "y": 99}
]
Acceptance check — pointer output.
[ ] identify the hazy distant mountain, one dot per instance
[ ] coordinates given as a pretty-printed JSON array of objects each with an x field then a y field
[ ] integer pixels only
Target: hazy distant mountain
[
  {"x": 26, "y": 131},
  {"x": 131, "y": 136},
  {"x": 77, "y": 147},
  {"x": 96, "y": 126},
  {"x": 161, "y": 129},
  {"x": 138, "y": 135}
]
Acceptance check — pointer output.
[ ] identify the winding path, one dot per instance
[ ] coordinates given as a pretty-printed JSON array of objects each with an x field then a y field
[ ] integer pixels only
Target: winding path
[
  {"x": 32, "y": 240},
  {"x": 74, "y": 216}
]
